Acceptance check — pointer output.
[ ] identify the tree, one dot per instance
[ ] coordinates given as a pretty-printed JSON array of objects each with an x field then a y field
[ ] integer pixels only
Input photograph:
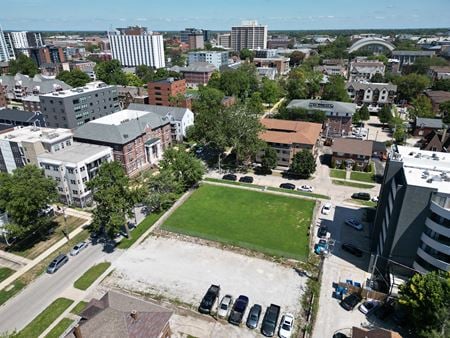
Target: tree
[
  {"x": 183, "y": 166},
  {"x": 255, "y": 103},
  {"x": 356, "y": 118},
  {"x": 208, "y": 98},
  {"x": 411, "y": 85},
  {"x": 241, "y": 82},
  {"x": 162, "y": 190},
  {"x": 270, "y": 91},
  {"x": 303, "y": 164},
  {"x": 422, "y": 65},
  {"x": 444, "y": 109},
  {"x": 246, "y": 54},
  {"x": 23, "y": 65},
  {"x": 269, "y": 159},
  {"x": 421, "y": 107},
  {"x": 113, "y": 197},
  {"x": 364, "y": 113},
  {"x": 296, "y": 58},
  {"x": 426, "y": 299},
  {"x": 296, "y": 85},
  {"x": 385, "y": 114},
  {"x": 145, "y": 73},
  {"x": 377, "y": 78},
  {"x": 399, "y": 133},
  {"x": 74, "y": 78},
  {"x": 335, "y": 90},
  {"x": 133, "y": 80},
  {"x": 24, "y": 204},
  {"x": 110, "y": 72},
  {"x": 442, "y": 84}
]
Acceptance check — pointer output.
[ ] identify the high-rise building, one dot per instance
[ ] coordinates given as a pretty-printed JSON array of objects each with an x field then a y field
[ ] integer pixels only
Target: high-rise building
[
  {"x": 224, "y": 40},
  {"x": 135, "y": 46},
  {"x": 6, "y": 47},
  {"x": 24, "y": 39},
  {"x": 215, "y": 58},
  {"x": 184, "y": 35},
  {"x": 249, "y": 35},
  {"x": 195, "y": 40},
  {"x": 412, "y": 223}
]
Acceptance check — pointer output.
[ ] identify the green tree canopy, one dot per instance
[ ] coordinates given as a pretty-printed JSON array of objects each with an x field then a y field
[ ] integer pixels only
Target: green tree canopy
[
  {"x": 162, "y": 190},
  {"x": 303, "y": 164},
  {"x": 241, "y": 82},
  {"x": 246, "y": 54},
  {"x": 269, "y": 159},
  {"x": 133, "y": 80},
  {"x": 208, "y": 98},
  {"x": 300, "y": 114},
  {"x": 364, "y": 113},
  {"x": 23, "y": 195},
  {"x": 442, "y": 84},
  {"x": 23, "y": 65},
  {"x": 377, "y": 78},
  {"x": 270, "y": 91},
  {"x": 385, "y": 114},
  {"x": 74, "y": 78},
  {"x": 335, "y": 90},
  {"x": 411, "y": 85},
  {"x": 255, "y": 103},
  {"x": 421, "y": 107},
  {"x": 296, "y": 58},
  {"x": 111, "y": 72}
]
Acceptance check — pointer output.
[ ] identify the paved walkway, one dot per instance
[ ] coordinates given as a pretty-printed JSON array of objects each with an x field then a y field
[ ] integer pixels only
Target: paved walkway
[{"x": 15, "y": 260}]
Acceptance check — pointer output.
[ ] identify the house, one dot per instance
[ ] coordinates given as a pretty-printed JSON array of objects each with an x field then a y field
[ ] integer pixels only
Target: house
[
  {"x": 358, "y": 332},
  {"x": 364, "y": 70},
  {"x": 280, "y": 63},
  {"x": 375, "y": 94},
  {"x": 180, "y": 118},
  {"x": 289, "y": 137},
  {"x": 436, "y": 141},
  {"x": 339, "y": 115},
  {"x": 437, "y": 97},
  {"x": 439, "y": 72},
  {"x": 131, "y": 94},
  {"x": 424, "y": 126},
  {"x": 352, "y": 151},
  {"x": 15, "y": 117},
  {"x": 117, "y": 315}
]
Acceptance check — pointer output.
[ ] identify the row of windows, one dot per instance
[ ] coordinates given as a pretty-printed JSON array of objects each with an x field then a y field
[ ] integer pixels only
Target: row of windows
[
  {"x": 424, "y": 264},
  {"x": 439, "y": 220},
  {"x": 435, "y": 253},
  {"x": 437, "y": 236}
]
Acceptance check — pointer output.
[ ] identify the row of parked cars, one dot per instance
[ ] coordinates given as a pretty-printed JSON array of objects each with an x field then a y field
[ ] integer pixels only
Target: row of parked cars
[
  {"x": 233, "y": 177},
  {"x": 234, "y": 312},
  {"x": 62, "y": 259}
]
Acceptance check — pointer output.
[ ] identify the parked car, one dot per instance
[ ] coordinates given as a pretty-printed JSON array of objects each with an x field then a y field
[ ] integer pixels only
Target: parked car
[
  {"x": 229, "y": 177},
  {"x": 374, "y": 199},
  {"x": 354, "y": 224},
  {"x": 350, "y": 301},
  {"x": 351, "y": 249},
  {"x": 286, "y": 326},
  {"x": 385, "y": 310},
  {"x": 306, "y": 188},
  {"x": 246, "y": 179},
  {"x": 78, "y": 248},
  {"x": 209, "y": 299},
  {"x": 239, "y": 307},
  {"x": 361, "y": 196},
  {"x": 270, "y": 320},
  {"x": 321, "y": 247},
  {"x": 322, "y": 232},
  {"x": 289, "y": 186},
  {"x": 326, "y": 209},
  {"x": 368, "y": 306},
  {"x": 340, "y": 335},
  {"x": 253, "y": 316},
  {"x": 225, "y": 306},
  {"x": 57, "y": 263}
]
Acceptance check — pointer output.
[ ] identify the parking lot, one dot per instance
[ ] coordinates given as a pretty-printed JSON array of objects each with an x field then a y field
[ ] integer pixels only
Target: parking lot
[{"x": 183, "y": 271}]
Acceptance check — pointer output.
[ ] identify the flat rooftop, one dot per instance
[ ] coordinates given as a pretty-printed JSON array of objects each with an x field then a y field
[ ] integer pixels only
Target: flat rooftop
[
  {"x": 76, "y": 153},
  {"x": 89, "y": 87},
  {"x": 36, "y": 134},
  {"x": 425, "y": 168},
  {"x": 120, "y": 117}
]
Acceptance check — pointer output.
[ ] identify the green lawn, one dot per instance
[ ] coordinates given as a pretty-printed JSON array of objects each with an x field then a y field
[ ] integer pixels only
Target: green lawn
[
  {"x": 5, "y": 273},
  {"x": 148, "y": 221},
  {"x": 45, "y": 318},
  {"x": 59, "y": 329},
  {"x": 272, "y": 224},
  {"x": 353, "y": 184},
  {"x": 338, "y": 173},
  {"x": 91, "y": 275},
  {"x": 5, "y": 295},
  {"x": 362, "y": 176},
  {"x": 78, "y": 308},
  {"x": 364, "y": 203}
]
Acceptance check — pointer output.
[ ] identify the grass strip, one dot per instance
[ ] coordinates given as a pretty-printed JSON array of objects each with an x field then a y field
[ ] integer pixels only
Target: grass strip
[{"x": 91, "y": 275}]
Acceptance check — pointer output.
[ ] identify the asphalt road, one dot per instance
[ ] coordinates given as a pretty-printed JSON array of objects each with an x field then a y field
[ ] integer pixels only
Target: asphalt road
[{"x": 20, "y": 310}]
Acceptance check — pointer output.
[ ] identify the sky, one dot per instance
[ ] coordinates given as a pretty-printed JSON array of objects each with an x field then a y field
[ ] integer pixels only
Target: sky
[{"x": 163, "y": 15}]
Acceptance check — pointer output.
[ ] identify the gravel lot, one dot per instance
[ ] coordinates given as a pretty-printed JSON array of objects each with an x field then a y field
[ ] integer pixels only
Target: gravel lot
[{"x": 183, "y": 271}]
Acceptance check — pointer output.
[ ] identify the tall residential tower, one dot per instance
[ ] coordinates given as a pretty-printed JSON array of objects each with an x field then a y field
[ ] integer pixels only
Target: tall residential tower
[{"x": 248, "y": 35}]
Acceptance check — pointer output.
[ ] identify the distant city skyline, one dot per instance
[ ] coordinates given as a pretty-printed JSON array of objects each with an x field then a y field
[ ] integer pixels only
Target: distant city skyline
[{"x": 177, "y": 14}]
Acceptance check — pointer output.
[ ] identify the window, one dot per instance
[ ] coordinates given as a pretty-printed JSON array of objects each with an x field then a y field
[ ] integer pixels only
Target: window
[
  {"x": 75, "y": 192},
  {"x": 70, "y": 170},
  {"x": 55, "y": 168},
  {"x": 68, "y": 142},
  {"x": 60, "y": 189},
  {"x": 58, "y": 179},
  {"x": 82, "y": 169},
  {"x": 84, "y": 179},
  {"x": 73, "y": 182},
  {"x": 47, "y": 167}
]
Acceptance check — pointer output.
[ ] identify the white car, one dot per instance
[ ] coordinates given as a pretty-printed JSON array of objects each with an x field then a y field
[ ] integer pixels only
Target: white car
[
  {"x": 78, "y": 248},
  {"x": 326, "y": 209},
  {"x": 286, "y": 325},
  {"x": 306, "y": 188},
  {"x": 375, "y": 199},
  {"x": 368, "y": 306},
  {"x": 225, "y": 306}
]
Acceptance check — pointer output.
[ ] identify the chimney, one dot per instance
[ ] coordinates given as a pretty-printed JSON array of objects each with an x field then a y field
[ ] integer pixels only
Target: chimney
[
  {"x": 444, "y": 133},
  {"x": 133, "y": 314},
  {"x": 77, "y": 332}
]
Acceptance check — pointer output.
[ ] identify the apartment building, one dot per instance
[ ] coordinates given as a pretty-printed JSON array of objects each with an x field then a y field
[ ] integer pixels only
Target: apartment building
[
  {"x": 249, "y": 35},
  {"x": 375, "y": 94},
  {"x": 135, "y": 46},
  {"x": 75, "y": 107},
  {"x": 196, "y": 40},
  {"x": 196, "y": 74},
  {"x": 16, "y": 118},
  {"x": 218, "y": 59},
  {"x": 280, "y": 63},
  {"x": 409, "y": 57},
  {"x": 363, "y": 70},
  {"x": 6, "y": 48},
  {"x": 138, "y": 138},
  {"x": 224, "y": 40},
  {"x": 412, "y": 223},
  {"x": 160, "y": 92},
  {"x": 131, "y": 94}
]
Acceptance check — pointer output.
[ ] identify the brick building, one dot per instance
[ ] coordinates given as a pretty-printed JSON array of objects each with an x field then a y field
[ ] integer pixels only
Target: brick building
[
  {"x": 161, "y": 92},
  {"x": 352, "y": 151},
  {"x": 131, "y": 94},
  {"x": 197, "y": 73}
]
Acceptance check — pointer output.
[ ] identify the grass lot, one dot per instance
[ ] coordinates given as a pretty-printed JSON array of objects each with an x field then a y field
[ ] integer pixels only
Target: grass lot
[
  {"x": 91, "y": 275},
  {"x": 337, "y": 173},
  {"x": 59, "y": 329},
  {"x": 31, "y": 249},
  {"x": 148, "y": 221},
  {"x": 364, "y": 203},
  {"x": 353, "y": 184},
  {"x": 45, "y": 318},
  {"x": 78, "y": 308},
  {"x": 272, "y": 224},
  {"x": 362, "y": 176},
  {"x": 5, "y": 273},
  {"x": 13, "y": 288}
]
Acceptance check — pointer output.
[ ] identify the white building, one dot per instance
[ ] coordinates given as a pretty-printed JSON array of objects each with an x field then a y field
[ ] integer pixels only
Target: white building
[
  {"x": 249, "y": 35},
  {"x": 364, "y": 70},
  {"x": 72, "y": 168},
  {"x": 145, "y": 48},
  {"x": 6, "y": 48},
  {"x": 215, "y": 58}
]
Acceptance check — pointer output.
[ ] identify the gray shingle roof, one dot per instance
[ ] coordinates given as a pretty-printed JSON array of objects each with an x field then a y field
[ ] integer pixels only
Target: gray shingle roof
[
  {"x": 328, "y": 106},
  {"x": 176, "y": 112},
  {"x": 373, "y": 86},
  {"x": 428, "y": 123},
  {"x": 20, "y": 117},
  {"x": 45, "y": 85},
  {"x": 196, "y": 67}
]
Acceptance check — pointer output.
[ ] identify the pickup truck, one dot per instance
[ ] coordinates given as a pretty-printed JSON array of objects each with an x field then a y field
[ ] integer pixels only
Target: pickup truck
[
  {"x": 209, "y": 299},
  {"x": 270, "y": 320}
]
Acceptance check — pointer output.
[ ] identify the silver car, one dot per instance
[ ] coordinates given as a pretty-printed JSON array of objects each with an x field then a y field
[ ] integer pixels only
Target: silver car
[
  {"x": 225, "y": 306},
  {"x": 78, "y": 248}
]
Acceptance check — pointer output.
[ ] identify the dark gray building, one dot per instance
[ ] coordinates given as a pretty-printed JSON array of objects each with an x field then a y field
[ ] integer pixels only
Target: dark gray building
[
  {"x": 412, "y": 223},
  {"x": 75, "y": 107}
]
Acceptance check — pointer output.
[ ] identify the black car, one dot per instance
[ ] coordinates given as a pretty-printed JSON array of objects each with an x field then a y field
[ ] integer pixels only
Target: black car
[
  {"x": 322, "y": 232},
  {"x": 289, "y": 186},
  {"x": 229, "y": 177},
  {"x": 238, "y": 310},
  {"x": 209, "y": 299},
  {"x": 270, "y": 320},
  {"x": 340, "y": 335},
  {"x": 246, "y": 179},
  {"x": 361, "y": 196},
  {"x": 385, "y": 310},
  {"x": 350, "y": 301},
  {"x": 253, "y": 316},
  {"x": 351, "y": 249}
]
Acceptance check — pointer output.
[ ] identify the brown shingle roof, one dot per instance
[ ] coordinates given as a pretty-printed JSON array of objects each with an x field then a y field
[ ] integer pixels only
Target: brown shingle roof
[
  {"x": 288, "y": 132},
  {"x": 358, "y": 332},
  {"x": 438, "y": 96},
  {"x": 352, "y": 146}
]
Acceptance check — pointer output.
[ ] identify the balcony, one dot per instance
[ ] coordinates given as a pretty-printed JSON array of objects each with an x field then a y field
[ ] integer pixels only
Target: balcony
[
  {"x": 440, "y": 229},
  {"x": 419, "y": 268},
  {"x": 435, "y": 244},
  {"x": 440, "y": 210},
  {"x": 433, "y": 261}
]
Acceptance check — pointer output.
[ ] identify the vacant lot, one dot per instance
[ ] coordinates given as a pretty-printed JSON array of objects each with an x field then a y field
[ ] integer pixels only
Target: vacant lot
[{"x": 274, "y": 225}]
